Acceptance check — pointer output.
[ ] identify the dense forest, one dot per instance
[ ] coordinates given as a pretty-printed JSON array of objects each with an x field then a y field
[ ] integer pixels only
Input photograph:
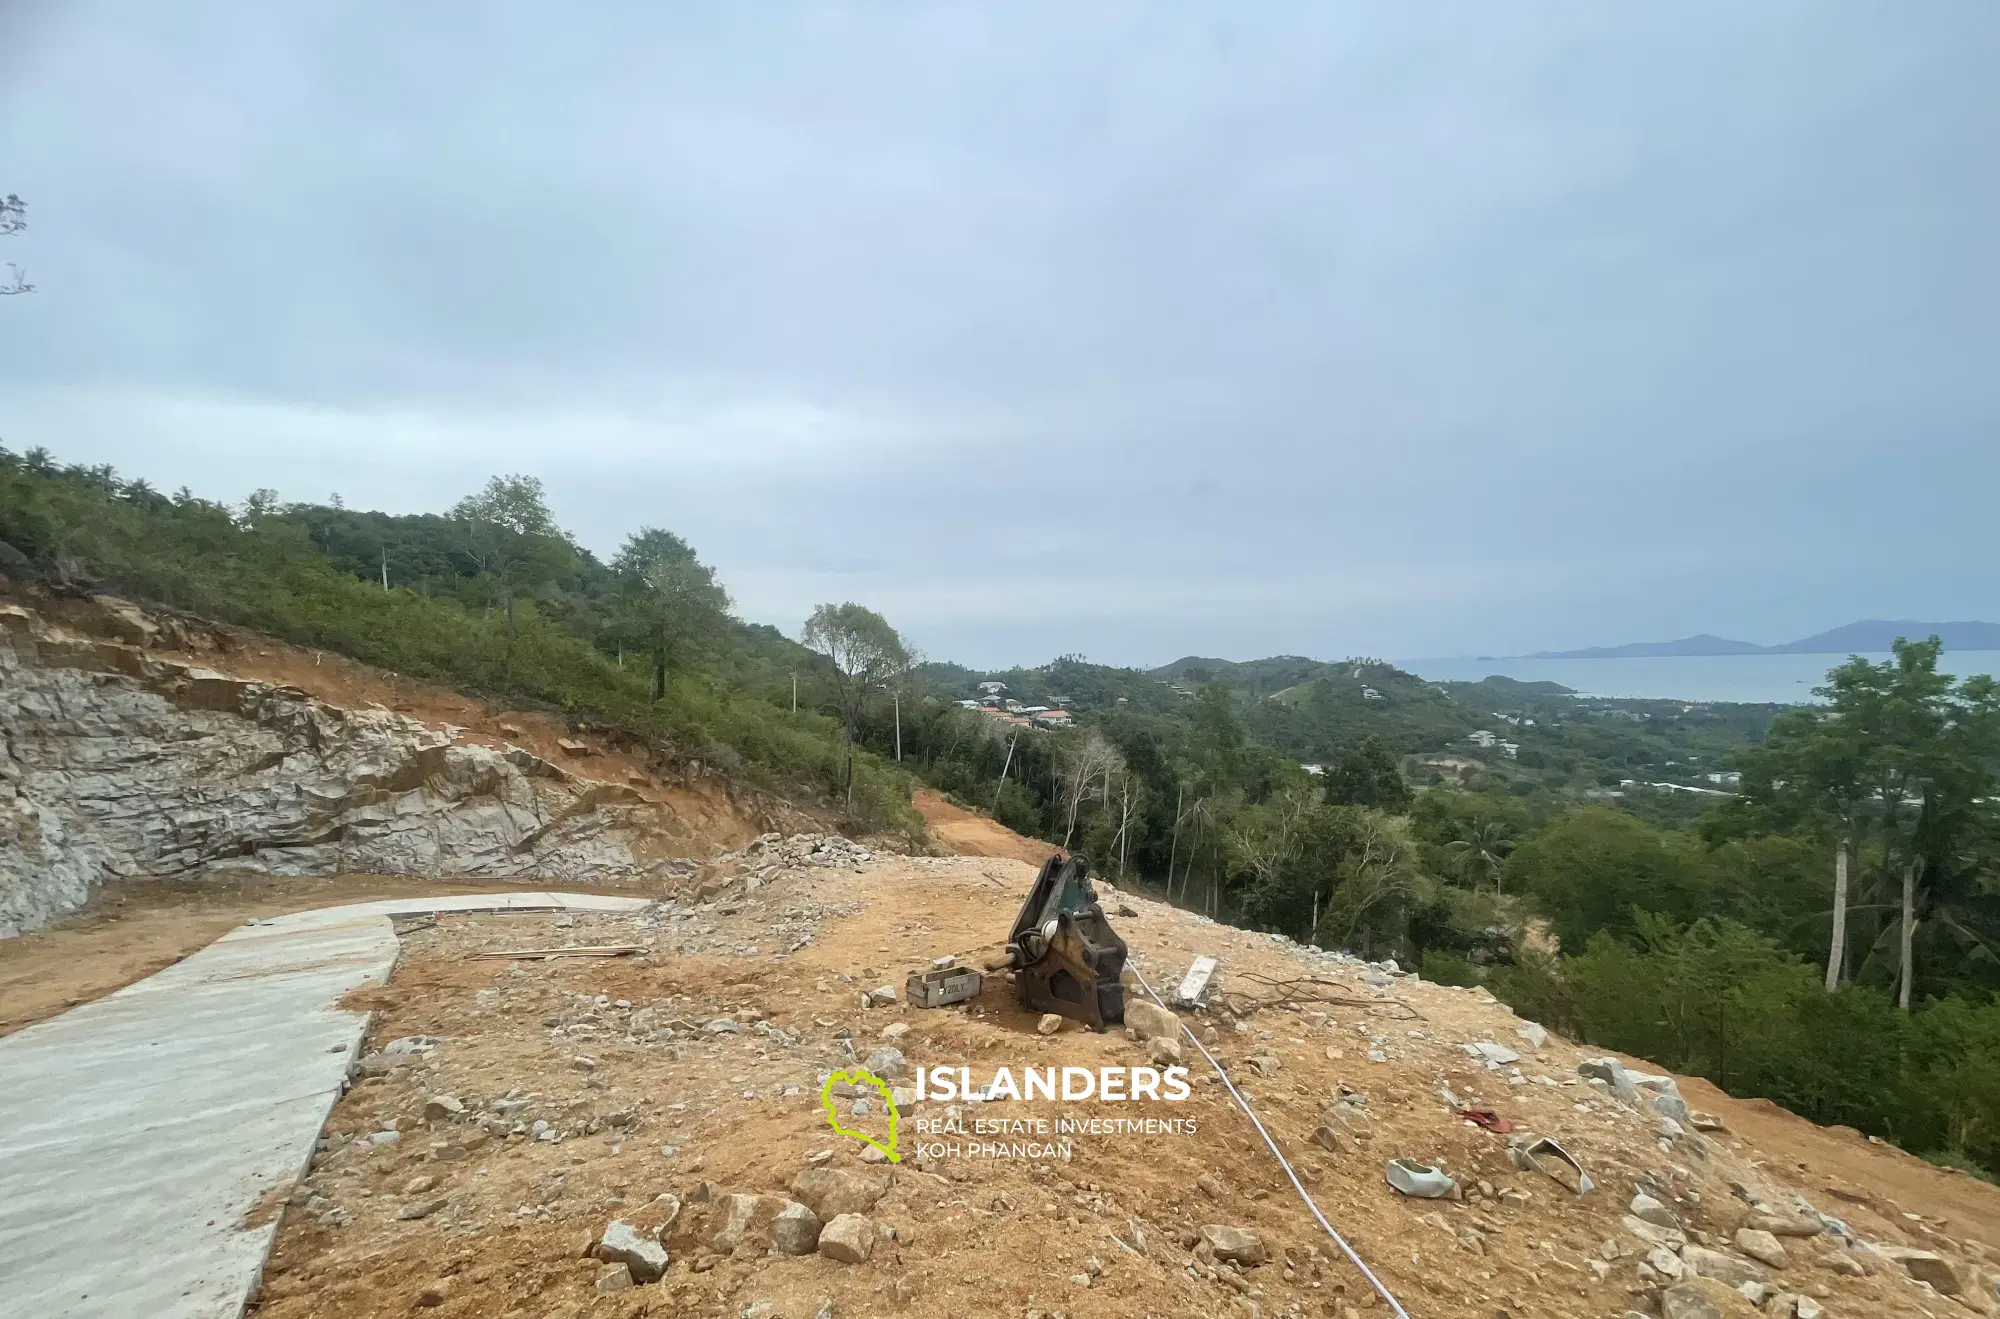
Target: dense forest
[{"x": 1797, "y": 902}]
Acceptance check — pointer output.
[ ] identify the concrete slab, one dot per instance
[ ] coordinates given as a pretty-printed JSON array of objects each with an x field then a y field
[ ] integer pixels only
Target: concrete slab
[{"x": 147, "y": 1140}]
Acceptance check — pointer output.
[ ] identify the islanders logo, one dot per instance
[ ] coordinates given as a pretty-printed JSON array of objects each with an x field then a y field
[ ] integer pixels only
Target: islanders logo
[{"x": 861, "y": 1076}]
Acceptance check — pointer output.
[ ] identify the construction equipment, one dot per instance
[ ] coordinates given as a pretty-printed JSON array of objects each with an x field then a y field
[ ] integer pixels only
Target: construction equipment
[{"x": 1065, "y": 956}]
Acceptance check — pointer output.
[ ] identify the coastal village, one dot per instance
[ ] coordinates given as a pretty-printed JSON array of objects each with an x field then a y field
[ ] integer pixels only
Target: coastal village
[{"x": 995, "y": 703}]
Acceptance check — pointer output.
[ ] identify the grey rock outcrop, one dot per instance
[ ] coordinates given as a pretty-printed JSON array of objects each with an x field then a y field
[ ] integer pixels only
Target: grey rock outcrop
[{"x": 118, "y": 763}]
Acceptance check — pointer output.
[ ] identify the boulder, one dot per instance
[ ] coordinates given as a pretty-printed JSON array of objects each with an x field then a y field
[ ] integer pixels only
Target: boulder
[
  {"x": 1163, "y": 1051},
  {"x": 1648, "y": 1210},
  {"x": 1239, "y": 1245},
  {"x": 795, "y": 1231},
  {"x": 621, "y": 1243},
  {"x": 1761, "y": 1246},
  {"x": 848, "y": 1239},
  {"x": 1703, "y": 1298},
  {"x": 1927, "y": 1266},
  {"x": 1613, "y": 1074},
  {"x": 1151, "y": 1020},
  {"x": 888, "y": 1064},
  {"x": 832, "y": 1192},
  {"x": 1782, "y": 1225},
  {"x": 1726, "y": 1269},
  {"x": 740, "y": 1219},
  {"x": 1665, "y": 1263},
  {"x": 1533, "y": 1035}
]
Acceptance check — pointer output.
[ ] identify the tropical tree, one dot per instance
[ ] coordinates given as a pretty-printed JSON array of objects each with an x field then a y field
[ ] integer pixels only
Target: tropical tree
[
  {"x": 13, "y": 219},
  {"x": 1480, "y": 851},
  {"x": 1368, "y": 776},
  {"x": 865, "y": 652},
  {"x": 1900, "y": 764},
  {"x": 512, "y": 538},
  {"x": 668, "y": 600}
]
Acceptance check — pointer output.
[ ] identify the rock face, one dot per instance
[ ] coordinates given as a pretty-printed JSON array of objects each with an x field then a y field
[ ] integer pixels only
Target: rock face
[{"x": 117, "y": 763}]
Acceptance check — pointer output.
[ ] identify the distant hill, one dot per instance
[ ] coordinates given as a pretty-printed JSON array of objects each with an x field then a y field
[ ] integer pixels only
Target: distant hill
[
  {"x": 1870, "y": 636},
  {"x": 1874, "y": 635},
  {"x": 1700, "y": 644}
]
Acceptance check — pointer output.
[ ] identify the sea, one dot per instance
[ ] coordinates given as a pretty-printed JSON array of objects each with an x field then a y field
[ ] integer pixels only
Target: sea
[{"x": 1755, "y": 678}]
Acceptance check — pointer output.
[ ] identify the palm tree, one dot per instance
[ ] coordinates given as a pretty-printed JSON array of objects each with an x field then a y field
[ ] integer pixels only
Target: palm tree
[{"x": 1480, "y": 851}]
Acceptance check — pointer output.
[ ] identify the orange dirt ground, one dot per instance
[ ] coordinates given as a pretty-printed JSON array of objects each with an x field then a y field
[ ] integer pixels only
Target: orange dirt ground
[
  {"x": 960, "y": 832},
  {"x": 697, "y": 1115}
]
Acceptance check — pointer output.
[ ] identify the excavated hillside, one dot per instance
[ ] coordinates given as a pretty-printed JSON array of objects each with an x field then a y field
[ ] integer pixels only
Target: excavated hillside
[{"x": 144, "y": 746}]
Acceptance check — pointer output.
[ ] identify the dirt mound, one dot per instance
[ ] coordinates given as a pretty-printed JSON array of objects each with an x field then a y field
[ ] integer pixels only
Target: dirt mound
[{"x": 678, "y": 1091}]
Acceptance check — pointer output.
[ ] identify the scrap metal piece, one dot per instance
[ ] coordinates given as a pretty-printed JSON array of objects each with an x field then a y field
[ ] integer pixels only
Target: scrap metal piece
[
  {"x": 1066, "y": 957},
  {"x": 533, "y": 954},
  {"x": 1551, "y": 1160},
  {"x": 1419, "y": 1179},
  {"x": 935, "y": 989}
]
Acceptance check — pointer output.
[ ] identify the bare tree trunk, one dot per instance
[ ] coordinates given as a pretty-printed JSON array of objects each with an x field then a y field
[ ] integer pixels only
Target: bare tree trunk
[
  {"x": 1003, "y": 771},
  {"x": 1836, "y": 956},
  {"x": 1908, "y": 971},
  {"x": 1174, "y": 849},
  {"x": 1125, "y": 827}
]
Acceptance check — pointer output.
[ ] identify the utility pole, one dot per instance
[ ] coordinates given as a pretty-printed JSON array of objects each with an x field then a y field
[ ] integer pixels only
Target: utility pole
[
  {"x": 896, "y": 698},
  {"x": 385, "y": 568},
  {"x": 795, "y": 693}
]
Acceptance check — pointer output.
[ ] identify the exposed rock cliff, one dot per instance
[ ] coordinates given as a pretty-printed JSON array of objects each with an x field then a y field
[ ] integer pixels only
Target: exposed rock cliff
[{"x": 116, "y": 762}]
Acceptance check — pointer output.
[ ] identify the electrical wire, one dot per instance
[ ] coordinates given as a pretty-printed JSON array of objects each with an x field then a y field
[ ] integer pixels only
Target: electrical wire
[{"x": 1284, "y": 1163}]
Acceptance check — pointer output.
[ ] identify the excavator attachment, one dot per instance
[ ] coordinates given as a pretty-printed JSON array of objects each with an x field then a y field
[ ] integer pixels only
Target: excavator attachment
[{"x": 1066, "y": 957}]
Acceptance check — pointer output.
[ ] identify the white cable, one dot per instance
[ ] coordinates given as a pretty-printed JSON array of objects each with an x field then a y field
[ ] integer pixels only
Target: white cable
[{"x": 1298, "y": 1186}]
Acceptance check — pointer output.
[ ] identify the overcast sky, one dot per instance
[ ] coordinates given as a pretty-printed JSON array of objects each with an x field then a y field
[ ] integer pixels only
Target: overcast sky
[{"x": 1129, "y": 329}]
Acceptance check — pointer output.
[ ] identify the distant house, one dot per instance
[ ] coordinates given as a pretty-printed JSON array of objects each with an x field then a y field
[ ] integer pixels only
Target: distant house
[
  {"x": 1053, "y": 718},
  {"x": 1482, "y": 738},
  {"x": 1312, "y": 769},
  {"x": 1011, "y": 706},
  {"x": 1032, "y": 710},
  {"x": 991, "y": 688},
  {"x": 1728, "y": 778},
  {"x": 1370, "y": 694},
  {"x": 1510, "y": 749},
  {"x": 969, "y": 705}
]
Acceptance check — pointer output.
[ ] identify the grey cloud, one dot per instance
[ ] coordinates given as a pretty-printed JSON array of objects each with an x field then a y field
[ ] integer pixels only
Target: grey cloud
[{"x": 1049, "y": 327}]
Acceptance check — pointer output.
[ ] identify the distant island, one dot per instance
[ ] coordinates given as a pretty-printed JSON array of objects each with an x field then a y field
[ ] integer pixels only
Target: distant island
[{"x": 1871, "y": 636}]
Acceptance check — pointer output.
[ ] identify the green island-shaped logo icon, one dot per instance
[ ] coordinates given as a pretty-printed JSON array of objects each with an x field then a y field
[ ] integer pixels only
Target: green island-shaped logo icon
[{"x": 861, "y": 1076}]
